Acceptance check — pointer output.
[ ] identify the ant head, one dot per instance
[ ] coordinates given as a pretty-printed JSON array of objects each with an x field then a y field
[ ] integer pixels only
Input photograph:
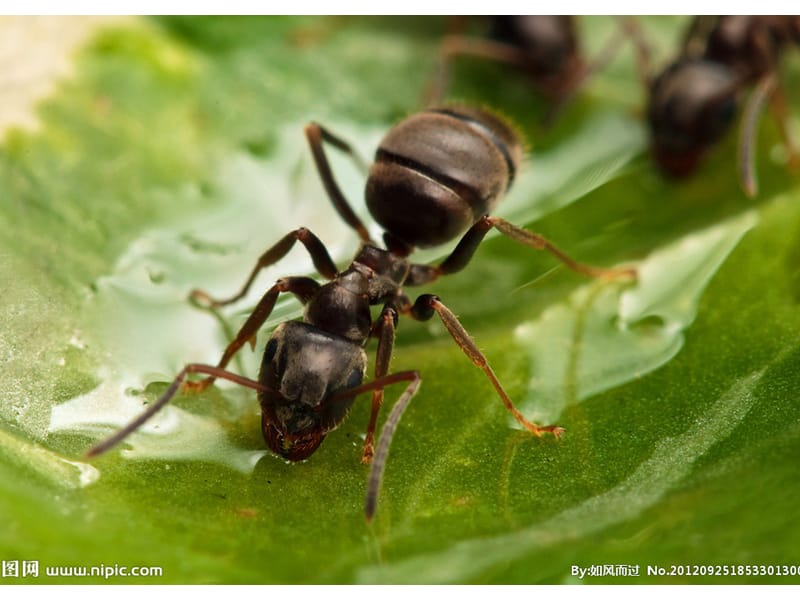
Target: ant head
[{"x": 692, "y": 104}]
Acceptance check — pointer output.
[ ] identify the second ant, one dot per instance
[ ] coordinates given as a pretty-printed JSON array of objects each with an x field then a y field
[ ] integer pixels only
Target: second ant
[
  {"x": 693, "y": 102},
  {"x": 545, "y": 49}
]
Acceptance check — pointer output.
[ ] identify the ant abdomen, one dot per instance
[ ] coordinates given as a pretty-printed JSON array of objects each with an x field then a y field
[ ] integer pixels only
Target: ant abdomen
[{"x": 437, "y": 172}]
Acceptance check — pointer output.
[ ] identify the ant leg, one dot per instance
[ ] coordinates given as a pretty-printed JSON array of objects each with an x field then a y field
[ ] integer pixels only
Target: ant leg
[
  {"x": 586, "y": 71},
  {"x": 120, "y": 435},
  {"x": 316, "y": 135},
  {"x": 389, "y": 428},
  {"x": 696, "y": 38},
  {"x": 319, "y": 256},
  {"x": 385, "y": 329},
  {"x": 747, "y": 133},
  {"x": 538, "y": 242},
  {"x": 458, "y": 45},
  {"x": 641, "y": 49},
  {"x": 318, "y": 32},
  {"x": 767, "y": 87},
  {"x": 424, "y": 308},
  {"x": 779, "y": 109},
  {"x": 464, "y": 251},
  {"x": 303, "y": 288}
]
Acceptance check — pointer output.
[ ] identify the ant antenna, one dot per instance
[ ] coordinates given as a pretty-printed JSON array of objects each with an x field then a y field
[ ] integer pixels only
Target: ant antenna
[
  {"x": 747, "y": 133},
  {"x": 387, "y": 433},
  {"x": 120, "y": 435}
]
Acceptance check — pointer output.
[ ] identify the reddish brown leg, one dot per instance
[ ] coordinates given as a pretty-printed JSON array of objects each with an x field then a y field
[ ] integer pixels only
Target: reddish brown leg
[
  {"x": 424, "y": 308},
  {"x": 467, "y": 246},
  {"x": 641, "y": 49},
  {"x": 536, "y": 241},
  {"x": 585, "y": 72},
  {"x": 612, "y": 46},
  {"x": 215, "y": 372},
  {"x": 302, "y": 287},
  {"x": 457, "y": 45},
  {"x": 319, "y": 255},
  {"x": 768, "y": 87},
  {"x": 694, "y": 42},
  {"x": 384, "y": 331},
  {"x": 781, "y": 112},
  {"x": 316, "y": 135}
]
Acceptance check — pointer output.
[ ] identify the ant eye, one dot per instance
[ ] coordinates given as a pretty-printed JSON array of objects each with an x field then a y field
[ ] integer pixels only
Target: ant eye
[
  {"x": 355, "y": 379},
  {"x": 269, "y": 351},
  {"x": 718, "y": 119},
  {"x": 726, "y": 112}
]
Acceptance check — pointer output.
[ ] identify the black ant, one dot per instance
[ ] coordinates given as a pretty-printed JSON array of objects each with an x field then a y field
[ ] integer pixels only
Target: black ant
[
  {"x": 545, "y": 48},
  {"x": 436, "y": 175},
  {"x": 693, "y": 102}
]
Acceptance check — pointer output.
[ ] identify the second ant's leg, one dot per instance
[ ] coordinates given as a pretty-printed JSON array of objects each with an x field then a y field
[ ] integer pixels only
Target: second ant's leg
[
  {"x": 316, "y": 135},
  {"x": 425, "y": 307},
  {"x": 216, "y": 372},
  {"x": 641, "y": 49},
  {"x": 385, "y": 329},
  {"x": 302, "y": 287},
  {"x": 319, "y": 255},
  {"x": 768, "y": 87},
  {"x": 586, "y": 71},
  {"x": 696, "y": 37},
  {"x": 465, "y": 250},
  {"x": 458, "y": 45},
  {"x": 780, "y": 110}
]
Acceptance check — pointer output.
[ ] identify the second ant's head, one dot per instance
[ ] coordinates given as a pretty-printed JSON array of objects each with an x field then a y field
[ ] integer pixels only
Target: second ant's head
[
  {"x": 439, "y": 171},
  {"x": 692, "y": 104}
]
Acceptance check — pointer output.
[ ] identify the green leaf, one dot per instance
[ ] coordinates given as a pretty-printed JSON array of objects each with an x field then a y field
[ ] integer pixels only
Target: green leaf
[{"x": 171, "y": 155}]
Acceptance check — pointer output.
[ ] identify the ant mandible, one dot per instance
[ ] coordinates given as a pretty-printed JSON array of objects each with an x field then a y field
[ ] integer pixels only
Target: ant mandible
[
  {"x": 692, "y": 103},
  {"x": 436, "y": 175}
]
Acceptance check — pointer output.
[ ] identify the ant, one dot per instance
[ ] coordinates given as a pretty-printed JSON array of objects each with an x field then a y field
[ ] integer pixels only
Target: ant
[
  {"x": 545, "y": 48},
  {"x": 693, "y": 102},
  {"x": 436, "y": 175}
]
